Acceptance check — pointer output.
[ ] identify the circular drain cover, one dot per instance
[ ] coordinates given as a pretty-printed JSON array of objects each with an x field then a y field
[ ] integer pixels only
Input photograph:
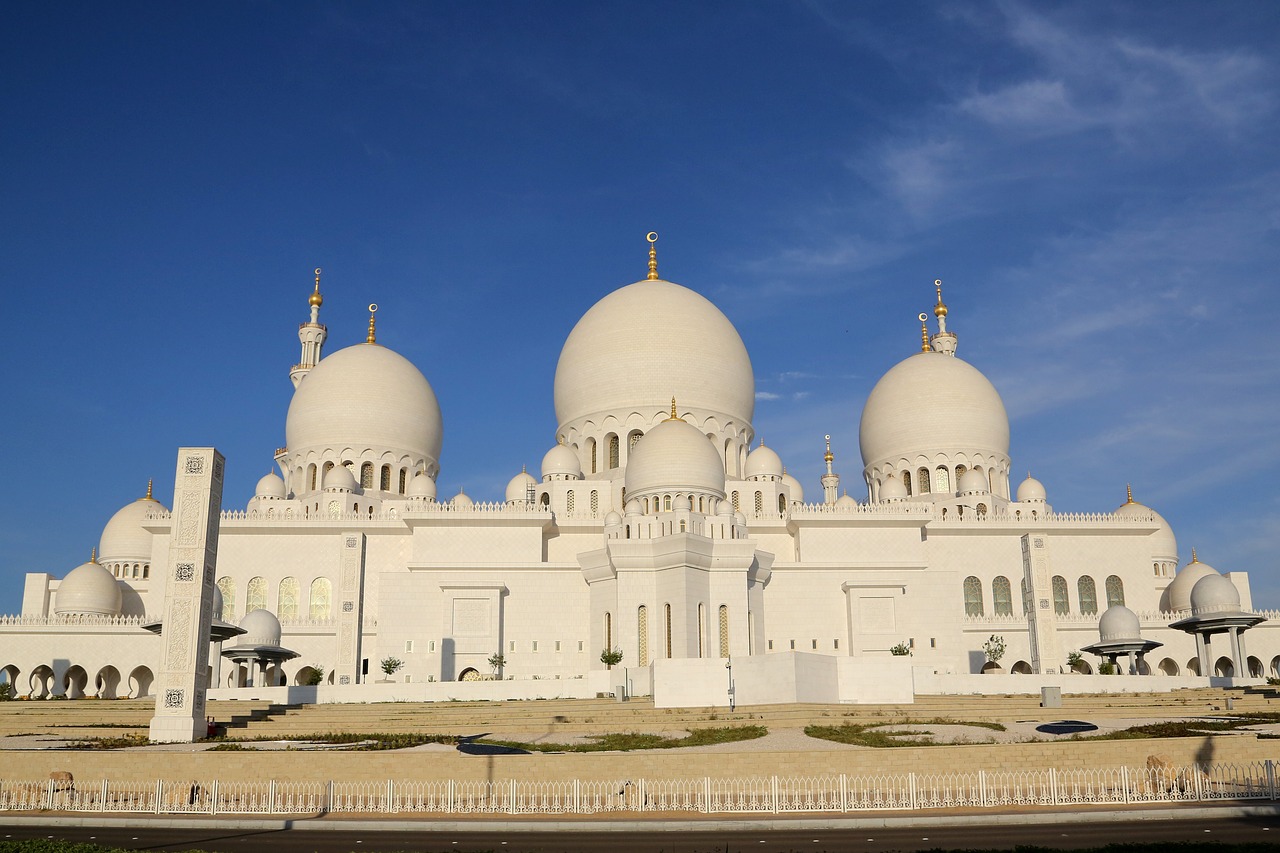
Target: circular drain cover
[{"x": 1066, "y": 727}]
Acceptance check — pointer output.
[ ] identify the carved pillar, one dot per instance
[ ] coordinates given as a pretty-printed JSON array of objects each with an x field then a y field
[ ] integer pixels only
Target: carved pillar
[
  {"x": 1042, "y": 619},
  {"x": 182, "y": 674},
  {"x": 350, "y": 606}
]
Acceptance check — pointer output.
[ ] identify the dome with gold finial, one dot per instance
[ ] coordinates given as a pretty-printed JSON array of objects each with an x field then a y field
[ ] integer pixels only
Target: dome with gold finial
[
  {"x": 125, "y": 537},
  {"x": 316, "y": 300},
  {"x": 1177, "y": 597},
  {"x": 88, "y": 590},
  {"x": 1164, "y": 545},
  {"x": 675, "y": 457}
]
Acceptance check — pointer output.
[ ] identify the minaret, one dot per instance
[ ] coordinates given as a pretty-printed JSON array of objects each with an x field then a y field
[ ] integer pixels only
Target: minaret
[
  {"x": 312, "y": 335},
  {"x": 943, "y": 342},
  {"x": 830, "y": 480}
]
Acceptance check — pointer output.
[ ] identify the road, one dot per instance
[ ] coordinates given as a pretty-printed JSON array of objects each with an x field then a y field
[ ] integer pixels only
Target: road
[{"x": 1080, "y": 833}]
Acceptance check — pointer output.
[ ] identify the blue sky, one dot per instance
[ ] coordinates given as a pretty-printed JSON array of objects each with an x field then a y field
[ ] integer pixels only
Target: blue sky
[{"x": 1097, "y": 185}]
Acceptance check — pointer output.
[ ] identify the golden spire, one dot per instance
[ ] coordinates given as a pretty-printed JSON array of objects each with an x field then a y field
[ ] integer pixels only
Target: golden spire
[
  {"x": 316, "y": 299},
  {"x": 828, "y": 457},
  {"x": 93, "y": 555},
  {"x": 1128, "y": 489},
  {"x": 1194, "y": 558},
  {"x": 148, "y": 497},
  {"x": 373, "y": 309},
  {"x": 652, "y": 237},
  {"x": 674, "y": 416},
  {"x": 939, "y": 310},
  {"x": 924, "y": 333}
]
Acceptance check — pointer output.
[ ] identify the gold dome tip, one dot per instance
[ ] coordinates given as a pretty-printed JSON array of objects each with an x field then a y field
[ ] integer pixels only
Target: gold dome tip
[
  {"x": 148, "y": 497},
  {"x": 372, "y": 337},
  {"x": 939, "y": 310},
  {"x": 674, "y": 416},
  {"x": 652, "y": 237},
  {"x": 924, "y": 332},
  {"x": 828, "y": 456},
  {"x": 1128, "y": 490},
  {"x": 316, "y": 299},
  {"x": 1194, "y": 558},
  {"x": 93, "y": 555}
]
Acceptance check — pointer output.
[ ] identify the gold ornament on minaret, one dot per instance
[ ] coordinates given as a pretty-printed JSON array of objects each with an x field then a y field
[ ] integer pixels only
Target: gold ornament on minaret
[
  {"x": 652, "y": 237},
  {"x": 828, "y": 457},
  {"x": 372, "y": 338},
  {"x": 939, "y": 310},
  {"x": 924, "y": 332},
  {"x": 316, "y": 299}
]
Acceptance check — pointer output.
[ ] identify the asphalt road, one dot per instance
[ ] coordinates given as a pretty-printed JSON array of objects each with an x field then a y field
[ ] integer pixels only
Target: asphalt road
[{"x": 1081, "y": 833}]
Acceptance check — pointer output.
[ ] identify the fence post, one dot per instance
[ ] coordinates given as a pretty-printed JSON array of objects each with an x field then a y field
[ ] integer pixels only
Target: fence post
[
  {"x": 388, "y": 805},
  {"x": 577, "y": 796},
  {"x": 329, "y": 803},
  {"x": 1271, "y": 779},
  {"x": 1124, "y": 782},
  {"x": 102, "y": 803},
  {"x": 644, "y": 796},
  {"x": 159, "y": 794},
  {"x": 706, "y": 795},
  {"x": 213, "y": 798},
  {"x": 271, "y": 794},
  {"x": 1196, "y": 774},
  {"x": 449, "y": 799},
  {"x": 982, "y": 788},
  {"x": 912, "y": 784},
  {"x": 1053, "y": 785},
  {"x": 511, "y": 797},
  {"x": 773, "y": 786}
]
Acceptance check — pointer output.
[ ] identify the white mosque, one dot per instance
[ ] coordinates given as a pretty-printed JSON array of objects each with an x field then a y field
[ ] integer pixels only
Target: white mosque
[{"x": 658, "y": 529}]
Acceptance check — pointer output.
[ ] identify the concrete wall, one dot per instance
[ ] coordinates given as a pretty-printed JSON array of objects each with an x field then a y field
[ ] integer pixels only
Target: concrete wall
[
  {"x": 929, "y": 683},
  {"x": 781, "y": 678}
]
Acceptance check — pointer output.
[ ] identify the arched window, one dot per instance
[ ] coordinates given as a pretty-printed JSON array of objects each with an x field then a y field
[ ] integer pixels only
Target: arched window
[
  {"x": 1115, "y": 591},
  {"x": 982, "y": 510},
  {"x": 545, "y": 500},
  {"x": 960, "y": 469},
  {"x": 642, "y": 632},
  {"x": 366, "y": 475},
  {"x": 608, "y": 631},
  {"x": 256, "y": 598},
  {"x": 227, "y": 587},
  {"x": 973, "y": 597},
  {"x": 1026, "y": 598},
  {"x": 1002, "y": 596},
  {"x": 321, "y": 591},
  {"x": 1061, "y": 604},
  {"x": 311, "y": 476},
  {"x": 633, "y": 438},
  {"x": 613, "y": 451},
  {"x": 404, "y": 479},
  {"x": 667, "y": 614},
  {"x": 759, "y": 502},
  {"x": 922, "y": 480},
  {"x": 941, "y": 480},
  {"x": 568, "y": 503},
  {"x": 906, "y": 481},
  {"x": 666, "y": 503},
  {"x": 1088, "y": 594},
  {"x": 735, "y": 502},
  {"x": 591, "y": 453},
  {"x": 702, "y": 630},
  {"x": 384, "y": 482},
  {"x": 782, "y": 504},
  {"x": 724, "y": 630},
  {"x": 595, "y": 503},
  {"x": 328, "y": 466},
  {"x": 646, "y": 506},
  {"x": 287, "y": 607}
]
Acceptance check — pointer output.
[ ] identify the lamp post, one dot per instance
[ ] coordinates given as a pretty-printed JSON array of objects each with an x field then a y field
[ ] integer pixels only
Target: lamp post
[{"x": 729, "y": 666}]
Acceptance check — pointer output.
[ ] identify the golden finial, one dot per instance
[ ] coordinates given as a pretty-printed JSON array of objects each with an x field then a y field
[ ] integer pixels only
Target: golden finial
[
  {"x": 373, "y": 309},
  {"x": 316, "y": 299},
  {"x": 1128, "y": 490},
  {"x": 939, "y": 310},
  {"x": 93, "y": 555},
  {"x": 674, "y": 416},
  {"x": 828, "y": 457},
  {"x": 1194, "y": 558},
  {"x": 924, "y": 333},
  {"x": 148, "y": 497},
  {"x": 652, "y": 237}
]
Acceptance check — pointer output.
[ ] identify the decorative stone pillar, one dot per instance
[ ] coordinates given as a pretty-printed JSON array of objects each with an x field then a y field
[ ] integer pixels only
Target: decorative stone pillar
[
  {"x": 350, "y": 604},
  {"x": 1042, "y": 619},
  {"x": 182, "y": 675}
]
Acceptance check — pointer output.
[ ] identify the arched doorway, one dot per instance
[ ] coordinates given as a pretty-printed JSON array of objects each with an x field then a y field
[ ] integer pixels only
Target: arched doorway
[
  {"x": 1021, "y": 668},
  {"x": 470, "y": 674},
  {"x": 107, "y": 682},
  {"x": 74, "y": 682},
  {"x": 1224, "y": 667},
  {"x": 41, "y": 682},
  {"x": 1255, "y": 667},
  {"x": 140, "y": 680},
  {"x": 1168, "y": 667}
]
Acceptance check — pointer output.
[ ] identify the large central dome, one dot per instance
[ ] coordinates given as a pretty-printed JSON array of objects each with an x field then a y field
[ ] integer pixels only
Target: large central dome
[{"x": 648, "y": 342}]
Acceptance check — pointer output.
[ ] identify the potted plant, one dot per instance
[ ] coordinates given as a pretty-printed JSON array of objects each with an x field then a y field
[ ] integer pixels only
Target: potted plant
[
  {"x": 994, "y": 649},
  {"x": 390, "y": 666},
  {"x": 1075, "y": 662},
  {"x": 496, "y": 662},
  {"x": 611, "y": 657},
  {"x": 900, "y": 650}
]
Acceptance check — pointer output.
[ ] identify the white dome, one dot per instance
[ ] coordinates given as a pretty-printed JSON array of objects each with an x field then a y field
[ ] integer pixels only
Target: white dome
[
  {"x": 633, "y": 507},
  {"x": 674, "y": 456},
  {"x": 461, "y": 500},
  {"x": 270, "y": 486},
  {"x": 892, "y": 489},
  {"x": 88, "y": 590},
  {"x": 518, "y": 487},
  {"x": 1031, "y": 489},
  {"x": 797, "y": 490},
  {"x": 1214, "y": 594},
  {"x": 124, "y": 537},
  {"x": 369, "y": 398},
  {"x": 973, "y": 481},
  {"x": 1179, "y": 592},
  {"x": 932, "y": 403},
  {"x": 421, "y": 486},
  {"x": 1163, "y": 542},
  {"x": 612, "y": 519},
  {"x": 261, "y": 628},
  {"x": 847, "y": 502},
  {"x": 1119, "y": 623},
  {"x": 340, "y": 478},
  {"x": 561, "y": 461},
  {"x": 763, "y": 462},
  {"x": 645, "y": 343}
]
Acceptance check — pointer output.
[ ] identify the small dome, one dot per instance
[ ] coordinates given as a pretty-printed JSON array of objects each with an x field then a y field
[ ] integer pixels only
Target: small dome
[
  {"x": 518, "y": 488},
  {"x": 612, "y": 519},
  {"x": 270, "y": 486},
  {"x": 1214, "y": 594},
  {"x": 88, "y": 590},
  {"x": 339, "y": 478},
  {"x": 561, "y": 461},
  {"x": 682, "y": 503},
  {"x": 891, "y": 489},
  {"x": 739, "y": 519},
  {"x": 461, "y": 500},
  {"x": 725, "y": 509},
  {"x": 633, "y": 507},
  {"x": 763, "y": 463},
  {"x": 422, "y": 486},
  {"x": 973, "y": 482},
  {"x": 261, "y": 628},
  {"x": 1178, "y": 594},
  {"x": 1163, "y": 543},
  {"x": 675, "y": 456},
  {"x": 1031, "y": 490},
  {"x": 124, "y": 537},
  {"x": 847, "y": 502},
  {"x": 1119, "y": 623},
  {"x": 217, "y": 603},
  {"x": 794, "y": 487}
]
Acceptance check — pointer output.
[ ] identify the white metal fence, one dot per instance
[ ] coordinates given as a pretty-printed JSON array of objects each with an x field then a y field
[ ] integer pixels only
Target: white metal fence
[{"x": 759, "y": 795}]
